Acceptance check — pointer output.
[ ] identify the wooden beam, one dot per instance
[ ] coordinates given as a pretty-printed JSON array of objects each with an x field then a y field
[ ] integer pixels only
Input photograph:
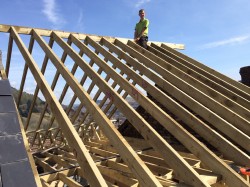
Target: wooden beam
[
  {"x": 55, "y": 175},
  {"x": 68, "y": 181},
  {"x": 199, "y": 126},
  {"x": 143, "y": 173},
  {"x": 214, "y": 94},
  {"x": 63, "y": 34},
  {"x": 189, "y": 101},
  {"x": 197, "y": 73},
  {"x": 171, "y": 45},
  {"x": 75, "y": 97},
  {"x": 118, "y": 166},
  {"x": 160, "y": 170},
  {"x": 44, "y": 65},
  {"x": 212, "y": 74},
  {"x": 199, "y": 149},
  {"x": 179, "y": 165},
  {"x": 85, "y": 161},
  {"x": 42, "y": 162},
  {"x": 31, "y": 44},
  {"x": 58, "y": 159},
  {"x": 215, "y": 138},
  {"x": 232, "y": 117},
  {"x": 53, "y": 85},
  {"x": 45, "y": 184},
  {"x": 116, "y": 177},
  {"x": 9, "y": 52},
  {"x": 101, "y": 152},
  {"x": 2, "y": 71}
]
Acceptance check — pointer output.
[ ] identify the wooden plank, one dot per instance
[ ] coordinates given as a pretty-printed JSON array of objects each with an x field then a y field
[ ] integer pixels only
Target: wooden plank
[
  {"x": 160, "y": 162},
  {"x": 59, "y": 160},
  {"x": 54, "y": 82},
  {"x": 68, "y": 181},
  {"x": 160, "y": 170},
  {"x": 101, "y": 152},
  {"x": 3, "y": 74},
  {"x": 213, "y": 93},
  {"x": 118, "y": 166},
  {"x": 55, "y": 175},
  {"x": 180, "y": 166},
  {"x": 1, "y": 60},
  {"x": 89, "y": 91},
  {"x": 198, "y": 76},
  {"x": 63, "y": 34},
  {"x": 173, "y": 46},
  {"x": 85, "y": 161},
  {"x": 101, "y": 146},
  {"x": 53, "y": 85},
  {"x": 199, "y": 149},
  {"x": 25, "y": 71},
  {"x": 189, "y": 101},
  {"x": 167, "y": 183},
  {"x": 117, "y": 178},
  {"x": 206, "y": 129},
  {"x": 66, "y": 153},
  {"x": 59, "y": 184},
  {"x": 238, "y": 121},
  {"x": 42, "y": 162},
  {"x": 9, "y": 52},
  {"x": 83, "y": 79},
  {"x": 213, "y": 74},
  {"x": 97, "y": 95},
  {"x": 44, "y": 65},
  {"x": 143, "y": 173},
  {"x": 110, "y": 184},
  {"x": 209, "y": 176},
  {"x": 208, "y": 133},
  {"x": 44, "y": 183}
]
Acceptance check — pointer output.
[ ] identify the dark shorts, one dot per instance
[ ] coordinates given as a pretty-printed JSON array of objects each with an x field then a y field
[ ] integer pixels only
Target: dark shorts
[{"x": 143, "y": 41}]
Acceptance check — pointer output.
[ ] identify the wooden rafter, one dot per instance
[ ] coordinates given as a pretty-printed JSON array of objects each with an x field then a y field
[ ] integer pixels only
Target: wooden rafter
[
  {"x": 92, "y": 173},
  {"x": 206, "y": 113}
]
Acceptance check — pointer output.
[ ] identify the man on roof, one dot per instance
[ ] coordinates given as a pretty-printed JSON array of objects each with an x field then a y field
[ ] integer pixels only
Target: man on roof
[{"x": 141, "y": 30}]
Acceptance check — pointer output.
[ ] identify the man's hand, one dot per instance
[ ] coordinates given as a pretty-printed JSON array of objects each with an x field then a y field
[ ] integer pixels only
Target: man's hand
[{"x": 137, "y": 39}]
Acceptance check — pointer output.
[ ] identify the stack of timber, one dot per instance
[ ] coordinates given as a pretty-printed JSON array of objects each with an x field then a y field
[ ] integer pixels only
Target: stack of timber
[{"x": 205, "y": 112}]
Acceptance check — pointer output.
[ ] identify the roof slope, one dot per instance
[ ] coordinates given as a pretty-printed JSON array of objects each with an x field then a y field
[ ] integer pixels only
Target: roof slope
[
  {"x": 14, "y": 155},
  {"x": 103, "y": 73}
]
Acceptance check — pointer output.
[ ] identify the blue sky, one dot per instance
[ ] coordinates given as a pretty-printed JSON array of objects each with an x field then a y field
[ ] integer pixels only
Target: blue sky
[{"x": 214, "y": 32}]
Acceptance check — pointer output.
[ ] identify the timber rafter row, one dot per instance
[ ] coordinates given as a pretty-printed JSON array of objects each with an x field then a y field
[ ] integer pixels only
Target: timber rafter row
[{"x": 206, "y": 112}]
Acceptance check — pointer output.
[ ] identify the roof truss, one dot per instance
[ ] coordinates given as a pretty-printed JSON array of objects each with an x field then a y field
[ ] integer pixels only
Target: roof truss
[{"x": 104, "y": 73}]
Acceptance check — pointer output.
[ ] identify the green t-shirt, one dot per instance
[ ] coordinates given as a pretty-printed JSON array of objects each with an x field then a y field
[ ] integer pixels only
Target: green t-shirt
[{"x": 140, "y": 25}]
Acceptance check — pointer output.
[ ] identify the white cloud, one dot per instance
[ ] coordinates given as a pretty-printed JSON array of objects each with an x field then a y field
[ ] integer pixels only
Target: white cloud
[
  {"x": 230, "y": 41},
  {"x": 80, "y": 21},
  {"x": 52, "y": 13},
  {"x": 141, "y": 2}
]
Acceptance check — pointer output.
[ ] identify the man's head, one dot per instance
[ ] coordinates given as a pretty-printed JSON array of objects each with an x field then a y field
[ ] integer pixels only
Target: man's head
[{"x": 142, "y": 13}]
